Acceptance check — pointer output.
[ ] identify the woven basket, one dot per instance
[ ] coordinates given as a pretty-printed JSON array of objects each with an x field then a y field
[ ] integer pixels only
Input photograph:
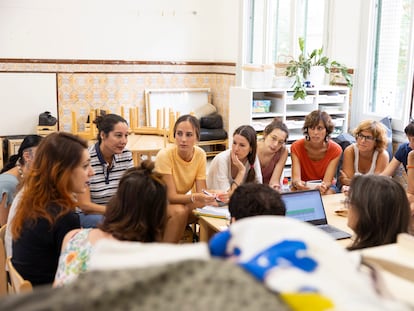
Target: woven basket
[
  {"x": 281, "y": 80},
  {"x": 281, "y": 65}
]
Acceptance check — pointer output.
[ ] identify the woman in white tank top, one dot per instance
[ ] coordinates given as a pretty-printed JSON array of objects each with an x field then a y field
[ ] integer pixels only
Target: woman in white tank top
[{"x": 368, "y": 155}]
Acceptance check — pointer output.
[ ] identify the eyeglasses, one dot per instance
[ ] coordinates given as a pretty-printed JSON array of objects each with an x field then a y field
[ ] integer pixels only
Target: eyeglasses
[
  {"x": 366, "y": 138},
  {"x": 276, "y": 139}
]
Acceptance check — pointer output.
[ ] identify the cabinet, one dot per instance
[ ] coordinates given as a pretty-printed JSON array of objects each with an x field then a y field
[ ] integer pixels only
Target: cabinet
[{"x": 332, "y": 99}]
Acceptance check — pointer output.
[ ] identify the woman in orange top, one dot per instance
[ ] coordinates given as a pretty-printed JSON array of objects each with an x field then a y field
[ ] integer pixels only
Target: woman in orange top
[{"x": 316, "y": 156}]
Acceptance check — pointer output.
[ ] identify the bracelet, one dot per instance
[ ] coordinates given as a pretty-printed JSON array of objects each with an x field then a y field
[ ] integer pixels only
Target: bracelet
[
  {"x": 192, "y": 198},
  {"x": 410, "y": 166},
  {"x": 234, "y": 182}
]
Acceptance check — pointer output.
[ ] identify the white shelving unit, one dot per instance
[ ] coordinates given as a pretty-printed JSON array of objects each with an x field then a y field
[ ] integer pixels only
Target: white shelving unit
[{"x": 332, "y": 99}]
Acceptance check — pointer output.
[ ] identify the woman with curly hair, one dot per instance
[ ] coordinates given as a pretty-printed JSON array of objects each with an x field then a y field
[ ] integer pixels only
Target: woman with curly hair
[
  {"x": 316, "y": 156},
  {"x": 368, "y": 155}
]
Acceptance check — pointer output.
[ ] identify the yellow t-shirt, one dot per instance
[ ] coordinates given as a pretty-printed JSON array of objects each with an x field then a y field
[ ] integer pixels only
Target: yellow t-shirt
[{"x": 184, "y": 173}]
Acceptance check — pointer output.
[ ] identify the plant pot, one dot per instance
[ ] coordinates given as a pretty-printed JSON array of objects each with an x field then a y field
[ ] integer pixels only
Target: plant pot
[{"x": 316, "y": 75}]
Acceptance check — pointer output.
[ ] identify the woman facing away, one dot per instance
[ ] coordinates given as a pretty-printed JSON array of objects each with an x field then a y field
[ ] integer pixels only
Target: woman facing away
[
  {"x": 272, "y": 153},
  {"x": 237, "y": 165},
  {"x": 137, "y": 212},
  {"x": 13, "y": 173},
  {"x": 378, "y": 210},
  {"x": 368, "y": 155},
  {"x": 183, "y": 167},
  {"x": 46, "y": 211},
  {"x": 109, "y": 160},
  {"x": 316, "y": 156}
]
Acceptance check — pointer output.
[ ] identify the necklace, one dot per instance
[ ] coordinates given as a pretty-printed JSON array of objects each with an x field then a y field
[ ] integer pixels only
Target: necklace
[{"x": 19, "y": 170}]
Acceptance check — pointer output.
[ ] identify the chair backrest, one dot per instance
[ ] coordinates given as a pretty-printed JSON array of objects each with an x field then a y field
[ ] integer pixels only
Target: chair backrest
[
  {"x": 19, "y": 285},
  {"x": 90, "y": 131},
  {"x": 3, "y": 272}
]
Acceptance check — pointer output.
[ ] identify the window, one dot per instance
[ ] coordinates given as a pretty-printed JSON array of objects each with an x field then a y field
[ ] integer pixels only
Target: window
[
  {"x": 391, "y": 58},
  {"x": 386, "y": 77},
  {"x": 275, "y": 26}
]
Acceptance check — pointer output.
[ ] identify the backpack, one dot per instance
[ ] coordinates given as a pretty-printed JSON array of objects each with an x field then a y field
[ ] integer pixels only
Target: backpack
[{"x": 46, "y": 119}]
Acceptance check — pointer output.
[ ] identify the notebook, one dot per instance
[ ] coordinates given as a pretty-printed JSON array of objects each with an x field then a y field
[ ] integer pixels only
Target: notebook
[{"x": 308, "y": 206}]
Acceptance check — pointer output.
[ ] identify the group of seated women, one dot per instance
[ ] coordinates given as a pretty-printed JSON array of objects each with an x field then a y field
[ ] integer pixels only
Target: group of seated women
[{"x": 67, "y": 182}]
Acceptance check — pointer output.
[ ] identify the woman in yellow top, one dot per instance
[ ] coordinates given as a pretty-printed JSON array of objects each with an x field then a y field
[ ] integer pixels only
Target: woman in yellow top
[{"x": 183, "y": 167}]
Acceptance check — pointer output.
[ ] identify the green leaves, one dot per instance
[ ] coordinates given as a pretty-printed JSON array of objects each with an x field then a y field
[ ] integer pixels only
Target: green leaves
[{"x": 300, "y": 68}]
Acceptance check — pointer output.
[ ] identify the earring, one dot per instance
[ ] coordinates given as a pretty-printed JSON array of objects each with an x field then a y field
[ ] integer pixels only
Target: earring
[
  {"x": 307, "y": 136},
  {"x": 326, "y": 138}
]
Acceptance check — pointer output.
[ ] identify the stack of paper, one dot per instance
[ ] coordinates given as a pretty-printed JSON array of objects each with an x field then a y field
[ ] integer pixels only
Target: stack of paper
[{"x": 213, "y": 211}]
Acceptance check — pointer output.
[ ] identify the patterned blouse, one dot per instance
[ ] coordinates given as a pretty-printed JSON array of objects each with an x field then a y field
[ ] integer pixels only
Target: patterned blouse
[{"x": 74, "y": 259}]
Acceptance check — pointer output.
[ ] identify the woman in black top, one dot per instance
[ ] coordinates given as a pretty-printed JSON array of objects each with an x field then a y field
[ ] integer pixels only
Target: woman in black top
[{"x": 46, "y": 212}]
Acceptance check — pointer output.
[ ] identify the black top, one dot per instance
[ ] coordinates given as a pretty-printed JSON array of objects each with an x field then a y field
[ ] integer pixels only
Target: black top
[{"x": 36, "y": 252}]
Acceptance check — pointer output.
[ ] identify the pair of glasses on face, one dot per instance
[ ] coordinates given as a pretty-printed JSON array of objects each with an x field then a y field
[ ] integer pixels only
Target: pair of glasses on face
[
  {"x": 366, "y": 138},
  {"x": 275, "y": 139}
]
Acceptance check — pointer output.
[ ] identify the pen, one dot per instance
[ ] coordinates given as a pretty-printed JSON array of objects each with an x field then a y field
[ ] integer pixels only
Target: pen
[{"x": 214, "y": 195}]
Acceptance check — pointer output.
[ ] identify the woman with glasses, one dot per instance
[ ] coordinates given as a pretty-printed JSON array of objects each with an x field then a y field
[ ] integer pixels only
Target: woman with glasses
[
  {"x": 368, "y": 155},
  {"x": 240, "y": 164},
  {"x": 378, "y": 210},
  {"x": 316, "y": 156},
  {"x": 272, "y": 153}
]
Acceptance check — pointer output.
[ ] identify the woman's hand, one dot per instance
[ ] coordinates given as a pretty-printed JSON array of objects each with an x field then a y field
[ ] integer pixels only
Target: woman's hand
[
  {"x": 201, "y": 199},
  {"x": 323, "y": 188},
  {"x": 275, "y": 186},
  {"x": 300, "y": 185},
  {"x": 237, "y": 163}
]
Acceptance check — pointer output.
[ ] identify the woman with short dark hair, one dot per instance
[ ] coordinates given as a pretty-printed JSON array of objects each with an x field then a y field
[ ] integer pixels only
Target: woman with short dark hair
[
  {"x": 316, "y": 156},
  {"x": 109, "y": 160}
]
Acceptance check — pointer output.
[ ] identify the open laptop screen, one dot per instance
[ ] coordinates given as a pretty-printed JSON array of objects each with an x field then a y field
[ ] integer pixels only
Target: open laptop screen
[{"x": 305, "y": 206}]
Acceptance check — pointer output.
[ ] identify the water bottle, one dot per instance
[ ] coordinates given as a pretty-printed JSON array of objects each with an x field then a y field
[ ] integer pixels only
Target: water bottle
[{"x": 285, "y": 185}]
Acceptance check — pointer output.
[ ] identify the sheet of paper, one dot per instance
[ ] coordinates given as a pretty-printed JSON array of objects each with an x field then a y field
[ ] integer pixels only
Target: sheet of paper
[{"x": 222, "y": 212}]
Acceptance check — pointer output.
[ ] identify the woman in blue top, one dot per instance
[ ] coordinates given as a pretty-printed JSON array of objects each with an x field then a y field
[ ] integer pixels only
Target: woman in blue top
[
  {"x": 13, "y": 173},
  {"x": 400, "y": 157}
]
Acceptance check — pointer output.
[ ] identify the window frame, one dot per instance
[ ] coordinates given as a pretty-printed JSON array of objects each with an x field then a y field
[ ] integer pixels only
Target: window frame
[{"x": 363, "y": 84}]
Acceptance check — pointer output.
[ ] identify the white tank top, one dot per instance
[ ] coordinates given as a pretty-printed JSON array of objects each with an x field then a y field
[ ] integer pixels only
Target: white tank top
[{"x": 373, "y": 163}]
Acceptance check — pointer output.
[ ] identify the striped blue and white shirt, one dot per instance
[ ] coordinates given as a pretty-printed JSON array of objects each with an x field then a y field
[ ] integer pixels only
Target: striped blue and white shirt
[{"x": 104, "y": 183}]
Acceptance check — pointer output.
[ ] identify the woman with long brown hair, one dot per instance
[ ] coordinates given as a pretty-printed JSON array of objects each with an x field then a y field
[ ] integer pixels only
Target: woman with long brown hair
[
  {"x": 46, "y": 210},
  {"x": 137, "y": 212},
  {"x": 237, "y": 165},
  {"x": 183, "y": 169}
]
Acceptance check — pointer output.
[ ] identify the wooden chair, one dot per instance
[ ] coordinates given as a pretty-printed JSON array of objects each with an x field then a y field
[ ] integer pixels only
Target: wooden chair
[
  {"x": 19, "y": 285},
  {"x": 90, "y": 131},
  {"x": 158, "y": 129},
  {"x": 3, "y": 272}
]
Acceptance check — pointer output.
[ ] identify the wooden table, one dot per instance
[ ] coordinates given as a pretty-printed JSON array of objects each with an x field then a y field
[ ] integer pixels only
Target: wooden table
[
  {"x": 145, "y": 146},
  {"x": 209, "y": 225}
]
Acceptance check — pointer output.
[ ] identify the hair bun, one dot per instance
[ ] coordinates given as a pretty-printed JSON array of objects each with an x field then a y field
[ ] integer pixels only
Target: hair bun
[{"x": 147, "y": 165}]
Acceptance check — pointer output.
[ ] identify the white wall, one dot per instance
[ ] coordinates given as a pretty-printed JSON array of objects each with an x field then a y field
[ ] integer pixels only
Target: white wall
[{"x": 186, "y": 30}]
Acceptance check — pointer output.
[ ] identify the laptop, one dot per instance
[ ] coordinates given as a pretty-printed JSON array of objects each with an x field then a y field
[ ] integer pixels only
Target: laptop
[{"x": 308, "y": 206}]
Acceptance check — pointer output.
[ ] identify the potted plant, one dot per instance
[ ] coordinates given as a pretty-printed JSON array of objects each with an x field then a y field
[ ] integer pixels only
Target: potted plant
[{"x": 303, "y": 67}]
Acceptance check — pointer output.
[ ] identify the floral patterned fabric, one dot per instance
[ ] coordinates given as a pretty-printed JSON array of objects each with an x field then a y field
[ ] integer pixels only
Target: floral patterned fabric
[{"x": 74, "y": 259}]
